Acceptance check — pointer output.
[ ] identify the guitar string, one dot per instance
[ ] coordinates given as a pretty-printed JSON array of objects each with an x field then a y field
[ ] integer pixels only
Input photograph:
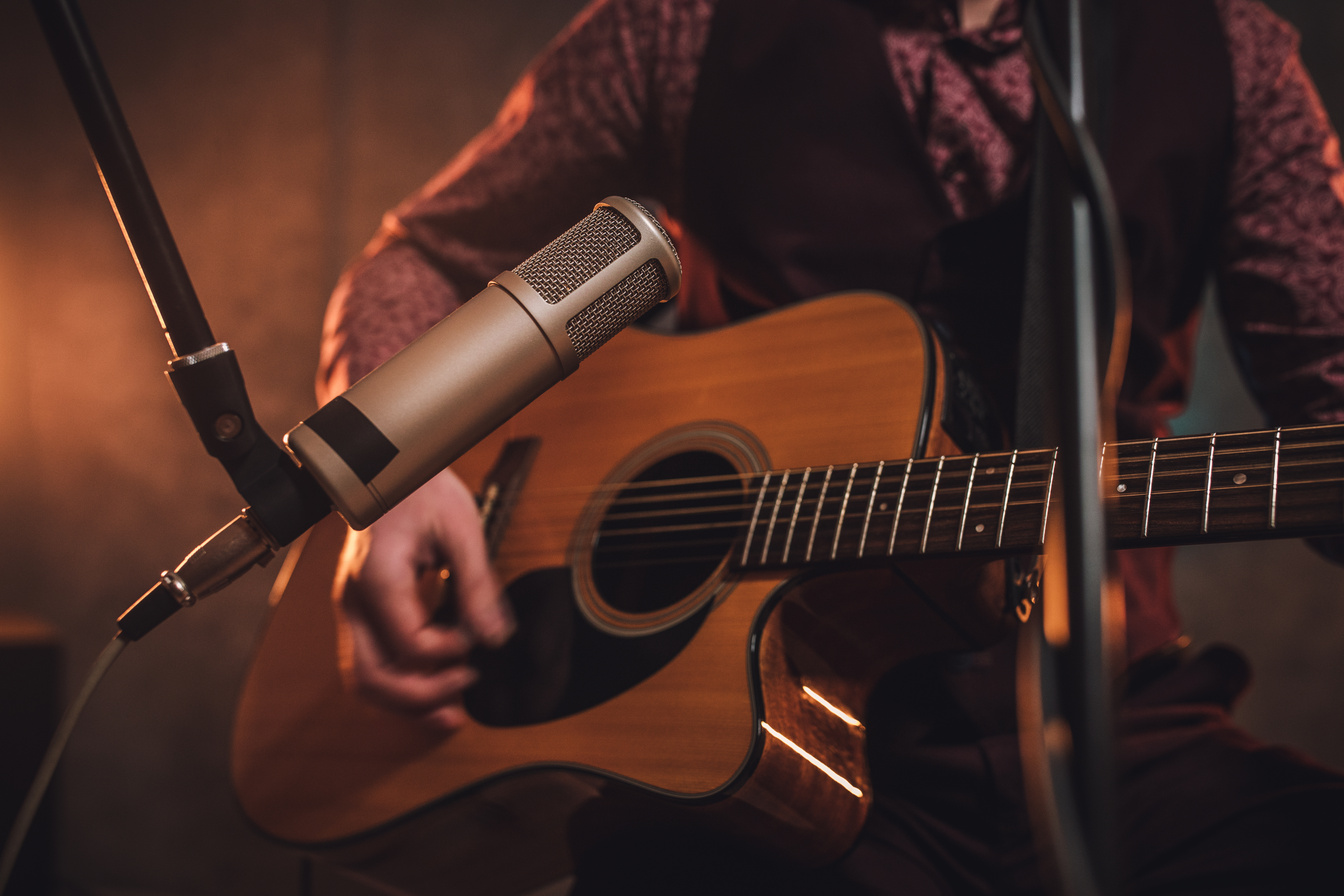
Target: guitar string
[
  {"x": 1223, "y": 466},
  {"x": 829, "y": 520},
  {"x": 949, "y": 511},
  {"x": 628, "y": 507},
  {"x": 747, "y": 482},
  {"x": 679, "y": 551},
  {"x": 946, "y": 513},
  {"x": 983, "y": 509},
  {"x": 1201, "y": 458},
  {"x": 1227, "y": 466},
  {"x": 627, "y": 495},
  {"x": 740, "y": 505}
]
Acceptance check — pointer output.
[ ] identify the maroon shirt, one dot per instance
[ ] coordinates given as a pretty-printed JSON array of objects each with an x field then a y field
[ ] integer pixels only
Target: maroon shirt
[{"x": 606, "y": 108}]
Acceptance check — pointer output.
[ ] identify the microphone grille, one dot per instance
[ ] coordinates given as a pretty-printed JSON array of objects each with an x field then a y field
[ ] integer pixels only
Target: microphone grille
[
  {"x": 615, "y": 309},
  {"x": 578, "y": 254}
]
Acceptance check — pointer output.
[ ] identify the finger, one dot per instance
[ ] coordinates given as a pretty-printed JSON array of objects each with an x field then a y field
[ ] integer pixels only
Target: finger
[
  {"x": 482, "y": 607},
  {"x": 447, "y": 718},
  {"x": 377, "y": 586},
  {"x": 411, "y": 691}
]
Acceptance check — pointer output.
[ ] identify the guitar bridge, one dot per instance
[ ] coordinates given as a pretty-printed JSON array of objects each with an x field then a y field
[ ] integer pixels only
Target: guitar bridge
[{"x": 502, "y": 486}]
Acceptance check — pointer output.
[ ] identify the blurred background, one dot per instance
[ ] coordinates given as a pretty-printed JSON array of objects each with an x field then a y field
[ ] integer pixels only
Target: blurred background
[{"x": 276, "y": 132}]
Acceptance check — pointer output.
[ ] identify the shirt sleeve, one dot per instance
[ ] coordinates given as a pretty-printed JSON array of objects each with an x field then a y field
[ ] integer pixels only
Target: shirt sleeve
[
  {"x": 598, "y": 113},
  {"x": 1281, "y": 283}
]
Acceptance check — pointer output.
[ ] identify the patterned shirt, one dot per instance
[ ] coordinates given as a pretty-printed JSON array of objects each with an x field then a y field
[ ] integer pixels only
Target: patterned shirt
[{"x": 605, "y": 108}]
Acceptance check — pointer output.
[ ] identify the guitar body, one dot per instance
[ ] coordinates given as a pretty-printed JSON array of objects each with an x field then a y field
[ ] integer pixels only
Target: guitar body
[{"x": 726, "y": 699}]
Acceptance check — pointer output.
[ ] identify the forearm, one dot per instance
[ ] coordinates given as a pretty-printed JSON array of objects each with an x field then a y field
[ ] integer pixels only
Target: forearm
[
  {"x": 384, "y": 301},
  {"x": 1282, "y": 277}
]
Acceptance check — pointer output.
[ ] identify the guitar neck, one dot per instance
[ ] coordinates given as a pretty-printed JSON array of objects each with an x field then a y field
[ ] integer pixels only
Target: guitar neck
[{"x": 1286, "y": 482}]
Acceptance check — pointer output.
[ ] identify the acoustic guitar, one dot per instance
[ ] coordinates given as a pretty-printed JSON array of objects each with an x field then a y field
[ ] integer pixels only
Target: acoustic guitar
[{"x": 714, "y": 545}]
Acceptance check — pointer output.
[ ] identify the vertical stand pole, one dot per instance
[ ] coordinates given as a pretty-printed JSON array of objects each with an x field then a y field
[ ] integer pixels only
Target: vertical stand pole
[{"x": 1066, "y": 682}]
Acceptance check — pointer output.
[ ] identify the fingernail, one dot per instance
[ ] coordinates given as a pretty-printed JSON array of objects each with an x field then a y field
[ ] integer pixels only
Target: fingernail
[{"x": 447, "y": 720}]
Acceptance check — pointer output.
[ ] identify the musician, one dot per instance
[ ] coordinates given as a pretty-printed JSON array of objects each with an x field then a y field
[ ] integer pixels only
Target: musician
[{"x": 800, "y": 147}]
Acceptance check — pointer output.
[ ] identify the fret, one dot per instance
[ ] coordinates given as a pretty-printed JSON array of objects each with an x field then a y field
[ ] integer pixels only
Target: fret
[
  {"x": 1208, "y": 486},
  {"x": 1238, "y": 483},
  {"x": 755, "y": 516},
  {"x": 868, "y": 514},
  {"x": 1148, "y": 492},
  {"x": 774, "y": 515},
  {"x": 919, "y": 487},
  {"x": 1310, "y": 488},
  {"x": 793, "y": 519},
  {"x": 900, "y": 502},
  {"x": 844, "y": 505},
  {"x": 1274, "y": 480},
  {"x": 979, "y": 517},
  {"x": 966, "y": 502},
  {"x": 937, "y": 488},
  {"x": 1049, "y": 485},
  {"x": 1013, "y": 516},
  {"x": 816, "y": 518},
  {"x": 1156, "y": 492},
  {"x": 933, "y": 496},
  {"x": 1007, "y": 487}
]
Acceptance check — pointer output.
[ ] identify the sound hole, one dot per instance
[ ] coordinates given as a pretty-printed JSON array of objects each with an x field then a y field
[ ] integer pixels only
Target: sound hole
[
  {"x": 556, "y": 664},
  {"x": 662, "y": 538},
  {"x": 667, "y": 531}
]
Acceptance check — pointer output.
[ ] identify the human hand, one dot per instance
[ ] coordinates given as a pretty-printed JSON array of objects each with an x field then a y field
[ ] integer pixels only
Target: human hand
[{"x": 392, "y": 650}]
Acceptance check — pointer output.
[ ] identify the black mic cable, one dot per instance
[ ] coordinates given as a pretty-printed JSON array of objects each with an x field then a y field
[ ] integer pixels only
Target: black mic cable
[{"x": 18, "y": 832}]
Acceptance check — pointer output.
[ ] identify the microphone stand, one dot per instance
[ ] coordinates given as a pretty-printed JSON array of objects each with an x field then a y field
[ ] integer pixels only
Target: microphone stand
[
  {"x": 283, "y": 501},
  {"x": 1077, "y": 264}
]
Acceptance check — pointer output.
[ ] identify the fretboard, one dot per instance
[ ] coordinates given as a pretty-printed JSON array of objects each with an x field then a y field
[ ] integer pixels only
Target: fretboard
[{"x": 1181, "y": 490}]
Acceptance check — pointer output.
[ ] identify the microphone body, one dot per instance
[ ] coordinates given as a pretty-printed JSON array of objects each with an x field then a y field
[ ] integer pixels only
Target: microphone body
[{"x": 423, "y": 408}]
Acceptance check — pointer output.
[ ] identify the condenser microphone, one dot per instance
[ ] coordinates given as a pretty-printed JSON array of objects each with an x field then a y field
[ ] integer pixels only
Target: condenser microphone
[{"x": 424, "y": 407}]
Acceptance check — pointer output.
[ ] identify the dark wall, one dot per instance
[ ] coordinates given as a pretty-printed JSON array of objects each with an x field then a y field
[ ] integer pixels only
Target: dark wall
[{"x": 276, "y": 133}]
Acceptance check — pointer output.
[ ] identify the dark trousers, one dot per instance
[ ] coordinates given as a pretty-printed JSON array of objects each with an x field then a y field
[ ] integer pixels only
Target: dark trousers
[{"x": 1202, "y": 807}]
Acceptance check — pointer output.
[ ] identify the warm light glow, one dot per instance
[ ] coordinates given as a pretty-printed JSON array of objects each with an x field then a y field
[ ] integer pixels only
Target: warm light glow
[
  {"x": 837, "y": 711},
  {"x": 814, "y": 760},
  {"x": 1054, "y": 591}
]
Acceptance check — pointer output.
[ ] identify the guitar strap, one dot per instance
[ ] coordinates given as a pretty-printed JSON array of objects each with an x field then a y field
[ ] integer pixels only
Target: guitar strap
[{"x": 1037, "y": 365}]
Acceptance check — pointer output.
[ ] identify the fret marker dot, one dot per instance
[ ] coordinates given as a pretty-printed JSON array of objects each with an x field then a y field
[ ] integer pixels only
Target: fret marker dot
[
  {"x": 882, "y": 506},
  {"x": 979, "y": 527},
  {"x": 1121, "y": 488},
  {"x": 1239, "y": 479},
  {"x": 990, "y": 471}
]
